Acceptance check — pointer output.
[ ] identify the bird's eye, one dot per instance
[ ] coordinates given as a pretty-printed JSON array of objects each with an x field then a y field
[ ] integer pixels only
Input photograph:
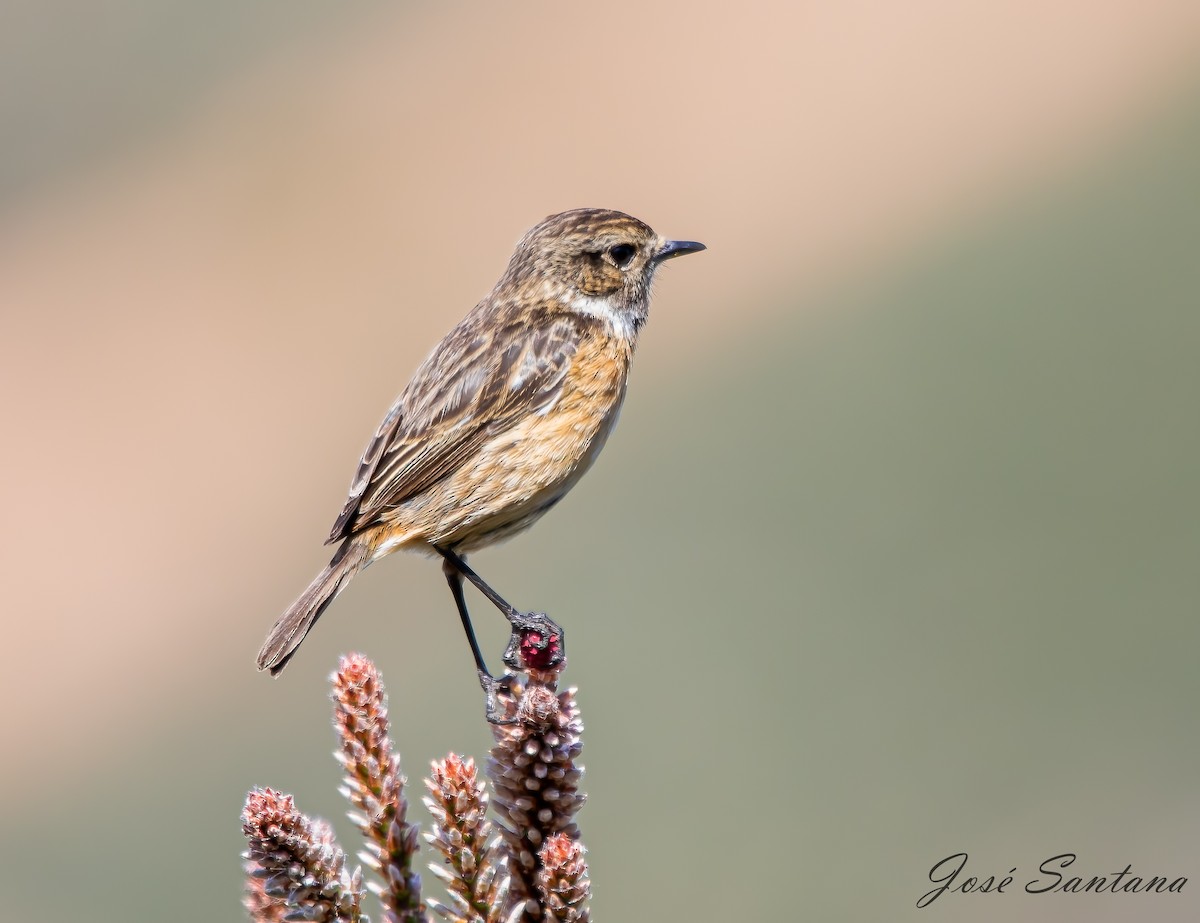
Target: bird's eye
[{"x": 622, "y": 255}]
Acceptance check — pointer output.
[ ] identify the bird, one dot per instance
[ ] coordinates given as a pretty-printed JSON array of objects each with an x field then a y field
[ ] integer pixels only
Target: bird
[{"x": 502, "y": 418}]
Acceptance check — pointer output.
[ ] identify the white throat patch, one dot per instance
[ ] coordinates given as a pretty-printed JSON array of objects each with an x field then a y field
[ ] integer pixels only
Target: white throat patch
[{"x": 619, "y": 321}]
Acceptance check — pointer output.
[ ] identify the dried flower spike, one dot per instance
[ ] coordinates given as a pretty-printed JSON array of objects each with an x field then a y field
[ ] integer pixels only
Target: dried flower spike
[
  {"x": 535, "y": 779},
  {"x": 533, "y": 869},
  {"x": 299, "y": 871},
  {"x": 475, "y": 871},
  {"x": 374, "y": 785},
  {"x": 562, "y": 882}
]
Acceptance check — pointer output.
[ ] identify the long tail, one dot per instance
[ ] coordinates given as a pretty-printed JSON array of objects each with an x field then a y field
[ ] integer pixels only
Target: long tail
[{"x": 293, "y": 625}]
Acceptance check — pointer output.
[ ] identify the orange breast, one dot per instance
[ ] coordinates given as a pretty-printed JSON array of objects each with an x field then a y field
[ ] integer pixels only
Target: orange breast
[{"x": 523, "y": 471}]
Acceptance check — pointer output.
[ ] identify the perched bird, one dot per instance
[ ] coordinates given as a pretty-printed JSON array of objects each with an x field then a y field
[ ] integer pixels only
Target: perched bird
[{"x": 502, "y": 418}]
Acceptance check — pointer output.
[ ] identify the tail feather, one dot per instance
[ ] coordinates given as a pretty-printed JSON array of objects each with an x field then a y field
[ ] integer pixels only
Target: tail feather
[{"x": 298, "y": 620}]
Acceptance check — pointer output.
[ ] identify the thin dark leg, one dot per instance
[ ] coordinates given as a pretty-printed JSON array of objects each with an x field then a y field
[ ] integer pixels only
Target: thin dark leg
[
  {"x": 546, "y": 633},
  {"x": 491, "y": 686},
  {"x": 454, "y": 578},
  {"x": 458, "y": 564}
]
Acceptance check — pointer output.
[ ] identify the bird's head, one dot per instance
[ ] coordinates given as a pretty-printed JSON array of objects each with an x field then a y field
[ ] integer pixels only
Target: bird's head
[{"x": 595, "y": 261}]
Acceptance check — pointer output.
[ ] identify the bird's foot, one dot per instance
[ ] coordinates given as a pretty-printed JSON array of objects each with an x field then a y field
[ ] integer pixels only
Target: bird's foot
[
  {"x": 536, "y": 646},
  {"x": 497, "y": 692},
  {"x": 537, "y": 643}
]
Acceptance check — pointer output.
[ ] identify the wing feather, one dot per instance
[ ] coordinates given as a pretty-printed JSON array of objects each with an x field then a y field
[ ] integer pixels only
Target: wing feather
[{"x": 478, "y": 382}]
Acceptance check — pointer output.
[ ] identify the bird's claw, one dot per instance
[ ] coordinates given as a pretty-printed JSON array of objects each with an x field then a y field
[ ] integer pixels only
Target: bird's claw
[
  {"x": 493, "y": 689},
  {"x": 537, "y": 643}
]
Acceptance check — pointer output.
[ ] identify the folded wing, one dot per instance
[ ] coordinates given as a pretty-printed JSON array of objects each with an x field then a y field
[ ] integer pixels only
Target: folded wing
[{"x": 478, "y": 382}]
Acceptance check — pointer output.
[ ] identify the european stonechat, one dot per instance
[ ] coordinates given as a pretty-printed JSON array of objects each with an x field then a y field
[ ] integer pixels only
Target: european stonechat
[{"x": 503, "y": 418}]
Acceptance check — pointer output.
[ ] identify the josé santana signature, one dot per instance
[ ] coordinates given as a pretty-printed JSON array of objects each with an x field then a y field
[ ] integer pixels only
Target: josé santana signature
[{"x": 1052, "y": 877}]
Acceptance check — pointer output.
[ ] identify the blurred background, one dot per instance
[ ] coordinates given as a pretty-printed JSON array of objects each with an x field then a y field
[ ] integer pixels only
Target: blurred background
[{"x": 893, "y": 556}]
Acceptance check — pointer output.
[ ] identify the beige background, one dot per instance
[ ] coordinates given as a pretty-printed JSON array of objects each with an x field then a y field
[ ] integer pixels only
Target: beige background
[{"x": 893, "y": 554}]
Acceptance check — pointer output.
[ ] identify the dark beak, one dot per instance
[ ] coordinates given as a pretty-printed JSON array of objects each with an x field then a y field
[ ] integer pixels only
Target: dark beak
[{"x": 673, "y": 248}]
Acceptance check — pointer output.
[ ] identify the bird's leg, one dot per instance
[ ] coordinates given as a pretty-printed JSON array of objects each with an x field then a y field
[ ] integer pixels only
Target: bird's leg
[
  {"x": 455, "y": 579},
  {"x": 536, "y": 636},
  {"x": 491, "y": 686},
  {"x": 455, "y": 564}
]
